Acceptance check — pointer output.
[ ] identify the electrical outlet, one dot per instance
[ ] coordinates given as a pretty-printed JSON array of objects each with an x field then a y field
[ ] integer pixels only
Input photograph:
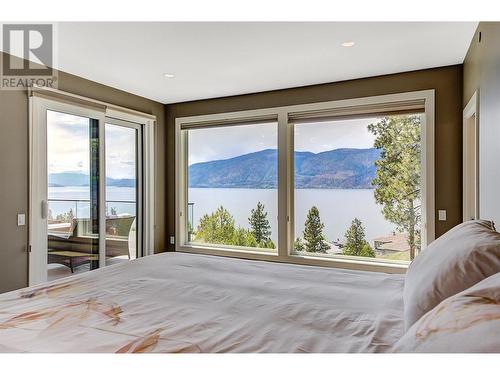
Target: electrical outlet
[
  {"x": 442, "y": 215},
  {"x": 21, "y": 220},
  {"x": 172, "y": 240}
]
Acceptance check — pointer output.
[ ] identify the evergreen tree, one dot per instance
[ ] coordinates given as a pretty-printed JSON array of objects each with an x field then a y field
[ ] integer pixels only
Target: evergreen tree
[
  {"x": 217, "y": 228},
  {"x": 356, "y": 243},
  {"x": 243, "y": 237},
  {"x": 397, "y": 178},
  {"x": 367, "y": 251},
  {"x": 259, "y": 225},
  {"x": 298, "y": 245},
  {"x": 270, "y": 244},
  {"x": 313, "y": 233}
]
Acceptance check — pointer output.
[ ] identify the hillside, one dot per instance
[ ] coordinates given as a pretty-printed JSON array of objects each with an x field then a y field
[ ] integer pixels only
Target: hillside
[
  {"x": 82, "y": 179},
  {"x": 344, "y": 168}
]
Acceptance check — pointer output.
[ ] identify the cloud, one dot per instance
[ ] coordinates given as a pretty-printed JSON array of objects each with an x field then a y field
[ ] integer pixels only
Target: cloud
[
  {"x": 230, "y": 141},
  {"x": 120, "y": 152},
  {"x": 324, "y": 136},
  {"x": 68, "y": 146},
  {"x": 67, "y": 142}
]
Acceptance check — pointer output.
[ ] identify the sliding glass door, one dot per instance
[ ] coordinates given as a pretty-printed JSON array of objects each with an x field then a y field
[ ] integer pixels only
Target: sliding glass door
[{"x": 86, "y": 190}]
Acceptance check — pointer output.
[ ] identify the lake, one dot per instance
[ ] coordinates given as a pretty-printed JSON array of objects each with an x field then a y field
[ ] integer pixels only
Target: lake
[
  {"x": 118, "y": 198},
  {"x": 337, "y": 208}
]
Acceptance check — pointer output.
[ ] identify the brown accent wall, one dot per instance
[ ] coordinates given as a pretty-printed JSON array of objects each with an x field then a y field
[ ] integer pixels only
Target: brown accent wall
[
  {"x": 14, "y": 169},
  {"x": 447, "y": 81},
  {"x": 482, "y": 73}
]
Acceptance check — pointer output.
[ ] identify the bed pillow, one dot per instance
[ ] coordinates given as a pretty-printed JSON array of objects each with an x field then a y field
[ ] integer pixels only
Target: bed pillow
[
  {"x": 468, "y": 322},
  {"x": 465, "y": 255}
]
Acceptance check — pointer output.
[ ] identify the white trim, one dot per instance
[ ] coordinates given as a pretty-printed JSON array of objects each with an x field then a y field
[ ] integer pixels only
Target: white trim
[
  {"x": 269, "y": 113},
  {"x": 352, "y": 263},
  {"x": 470, "y": 110},
  {"x": 472, "y": 106},
  {"x": 149, "y": 192},
  {"x": 102, "y": 192},
  {"x": 37, "y": 254},
  {"x": 283, "y": 184},
  {"x": 56, "y": 94},
  {"x": 285, "y": 175},
  {"x": 427, "y": 167},
  {"x": 180, "y": 180}
]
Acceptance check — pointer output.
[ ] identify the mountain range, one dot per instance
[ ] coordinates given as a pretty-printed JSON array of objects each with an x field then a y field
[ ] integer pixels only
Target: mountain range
[
  {"x": 82, "y": 179},
  {"x": 343, "y": 168}
]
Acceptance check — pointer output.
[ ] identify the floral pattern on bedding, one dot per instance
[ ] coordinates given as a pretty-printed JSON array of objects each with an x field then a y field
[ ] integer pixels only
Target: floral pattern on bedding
[
  {"x": 70, "y": 313},
  {"x": 49, "y": 290},
  {"x": 455, "y": 315}
]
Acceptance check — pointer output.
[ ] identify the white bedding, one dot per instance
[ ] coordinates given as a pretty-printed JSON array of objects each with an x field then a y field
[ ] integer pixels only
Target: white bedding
[{"x": 176, "y": 302}]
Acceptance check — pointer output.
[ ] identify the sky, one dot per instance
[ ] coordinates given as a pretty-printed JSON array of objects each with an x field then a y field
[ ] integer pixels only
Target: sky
[
  {"x": 68, "y": 148},
  {"x": 230, "y": 141},
  {"x": 120, "y": 152},
  {"x": 68, "y": 142}
]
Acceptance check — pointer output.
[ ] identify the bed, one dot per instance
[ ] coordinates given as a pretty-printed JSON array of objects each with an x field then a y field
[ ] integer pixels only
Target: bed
[{"x": 176, "y": 302}]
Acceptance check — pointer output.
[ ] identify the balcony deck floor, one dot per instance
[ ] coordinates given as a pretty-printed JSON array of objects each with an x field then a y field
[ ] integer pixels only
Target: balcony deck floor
[{"x": 58, "y": 271}]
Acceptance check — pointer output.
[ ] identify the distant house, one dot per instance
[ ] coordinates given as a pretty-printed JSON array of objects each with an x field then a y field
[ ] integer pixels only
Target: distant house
[{"x": 395, "y": 243}]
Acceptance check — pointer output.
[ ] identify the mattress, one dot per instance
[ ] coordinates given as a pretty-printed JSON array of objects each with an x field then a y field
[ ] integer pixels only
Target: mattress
[{"x": 177, "y": 302}]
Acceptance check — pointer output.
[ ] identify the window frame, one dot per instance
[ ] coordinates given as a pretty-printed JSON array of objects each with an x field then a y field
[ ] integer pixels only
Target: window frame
[{"x": 346, "y": 107}]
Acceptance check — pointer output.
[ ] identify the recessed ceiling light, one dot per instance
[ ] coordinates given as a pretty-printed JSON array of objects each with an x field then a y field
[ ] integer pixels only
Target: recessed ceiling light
[
  {"x": 348, "y": 44},
  {"x": 168, "y": 75}
]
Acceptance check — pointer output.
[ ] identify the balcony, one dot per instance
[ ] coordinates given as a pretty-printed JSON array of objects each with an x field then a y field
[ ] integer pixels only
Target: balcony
[{"x": 73, "y": 243}]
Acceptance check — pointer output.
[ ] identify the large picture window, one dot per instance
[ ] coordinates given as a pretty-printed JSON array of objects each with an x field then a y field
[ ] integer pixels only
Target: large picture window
[
  {"x": 357, "y": 187},
  {"x": 232, "y": 186},
  {"x": 347, "y": 183}
]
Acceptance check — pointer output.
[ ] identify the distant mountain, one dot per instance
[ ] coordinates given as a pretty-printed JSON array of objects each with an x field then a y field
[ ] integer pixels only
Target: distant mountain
[
  {"x": 68, "y": 179},
  {"x": 120, "y": 182},
  {"x": 82, "y": 179},
  {"x": 344, "y": 168}
]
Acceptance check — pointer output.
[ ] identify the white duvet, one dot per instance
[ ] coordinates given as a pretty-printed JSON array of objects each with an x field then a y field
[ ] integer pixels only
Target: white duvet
[{"x": 176, "y": 302}]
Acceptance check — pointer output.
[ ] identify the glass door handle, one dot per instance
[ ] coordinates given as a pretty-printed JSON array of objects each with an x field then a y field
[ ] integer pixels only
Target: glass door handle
[{"x": 44, "y": 209}]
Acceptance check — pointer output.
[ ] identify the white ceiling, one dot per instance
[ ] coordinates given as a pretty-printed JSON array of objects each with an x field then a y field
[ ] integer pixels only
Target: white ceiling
[{"x": 220, "y": 59}]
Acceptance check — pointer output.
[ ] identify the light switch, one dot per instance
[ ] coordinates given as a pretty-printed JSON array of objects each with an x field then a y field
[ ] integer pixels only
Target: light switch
[
  {"x": 172, "y": 240},
  {"x": 21, "y": 220},
  {"x": 442, "y": 215}
]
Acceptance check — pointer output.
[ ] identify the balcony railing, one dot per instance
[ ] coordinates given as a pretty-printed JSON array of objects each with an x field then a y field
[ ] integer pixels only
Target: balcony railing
[
  {"x": 80, "y": 208},
  {"x": 190, "y": 221},
  {"x": 64, "y": 214},
  {"x": 73, "y": 241}
]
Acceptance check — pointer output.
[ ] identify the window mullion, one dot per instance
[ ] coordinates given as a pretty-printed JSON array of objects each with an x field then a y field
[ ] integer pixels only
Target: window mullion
[{"x": 284, "y": 214}]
